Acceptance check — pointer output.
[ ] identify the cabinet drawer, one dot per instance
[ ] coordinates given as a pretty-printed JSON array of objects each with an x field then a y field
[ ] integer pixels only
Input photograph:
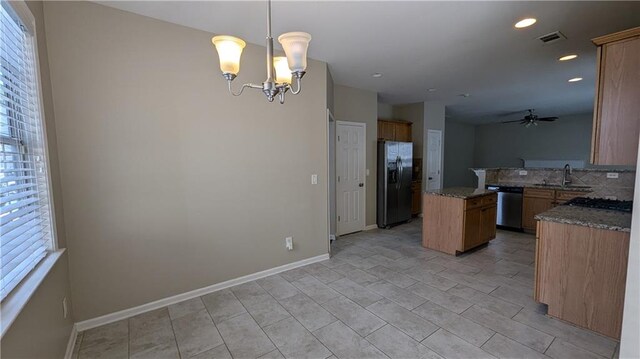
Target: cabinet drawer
[
  {"x": 539, "y": 192},
  {"x": 491, "y": 199},
  {"x": 473, "y": 203},
  {"x": 567, "y": 195}
]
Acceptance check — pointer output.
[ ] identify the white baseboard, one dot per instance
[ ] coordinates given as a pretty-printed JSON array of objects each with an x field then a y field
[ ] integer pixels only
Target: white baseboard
[
  {"x": 71, "y": 343},
  {"x": 127, "y": 313},
  {"x": 370, "y": 227}
]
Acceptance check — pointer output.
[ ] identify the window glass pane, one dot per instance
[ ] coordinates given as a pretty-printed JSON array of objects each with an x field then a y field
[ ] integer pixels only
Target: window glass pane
[{"x": 25, "y": 219}]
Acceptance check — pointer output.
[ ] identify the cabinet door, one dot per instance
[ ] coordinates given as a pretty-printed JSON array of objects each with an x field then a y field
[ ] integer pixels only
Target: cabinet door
[
  {"x": 472, "y": 222},
  {"x": 563, "y": 196},
  {"x": 386, "y": 131},
  {"x": 488, "y": 223},
  {"x": 403, "y": 132},
  {"x": 617, "y": 116},
  {"x": 532, "y": 206}
]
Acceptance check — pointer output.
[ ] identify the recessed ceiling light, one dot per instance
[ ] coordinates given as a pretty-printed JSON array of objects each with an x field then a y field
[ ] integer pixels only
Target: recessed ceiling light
[
  {"x": 431, "y": 90},
  {"x": 575, "y": 79},
  {"x": 525, "y": 23},
  {"x": 568, "y": 57},
  {"x": 377, "y": 75},
  {"x": 464, "y": 95}
]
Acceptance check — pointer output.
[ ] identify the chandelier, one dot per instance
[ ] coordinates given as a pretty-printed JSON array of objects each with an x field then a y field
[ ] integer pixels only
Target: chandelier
[{"x": 280, "y": 70}]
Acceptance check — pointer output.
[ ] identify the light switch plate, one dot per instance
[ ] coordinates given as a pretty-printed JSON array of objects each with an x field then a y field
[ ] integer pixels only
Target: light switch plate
[
  {"x": 368, "y": 172},
  {"x": 612, "y": 174},
  {"x": 522, "y": 173},
  {"x": 314, "y": 179},
  {"x": 288, "y": 243}
]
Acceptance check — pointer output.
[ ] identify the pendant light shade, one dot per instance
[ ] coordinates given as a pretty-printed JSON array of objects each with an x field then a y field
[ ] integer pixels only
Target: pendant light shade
[
  {"x": 229, "y": 51},
  {"x": 283, "y": 73},
  {"x": 295, "y": 45}
]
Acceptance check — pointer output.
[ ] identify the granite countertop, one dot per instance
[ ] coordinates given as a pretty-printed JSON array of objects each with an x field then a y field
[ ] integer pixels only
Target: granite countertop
[
  {"x": 548, "y": 186},
  {"x": 588, "y": 217},
  {"x": 591, "y": 169},
  {"x": 459, "y": 192}
]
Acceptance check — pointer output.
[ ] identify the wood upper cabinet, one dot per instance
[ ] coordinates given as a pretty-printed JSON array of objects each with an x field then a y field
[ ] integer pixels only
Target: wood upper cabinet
[
  {"x": 389, "y": 130},
  {"x": 616, "y": 123},
  {"x": 454, "y": 225}
]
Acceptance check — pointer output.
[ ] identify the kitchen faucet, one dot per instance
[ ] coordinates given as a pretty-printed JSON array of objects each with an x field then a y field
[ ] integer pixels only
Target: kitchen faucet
[{"x": 566, "y": 174}]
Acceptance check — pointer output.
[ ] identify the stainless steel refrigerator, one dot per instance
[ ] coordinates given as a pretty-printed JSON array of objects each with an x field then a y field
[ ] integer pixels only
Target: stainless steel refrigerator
[{"x": 395, "y": 161}]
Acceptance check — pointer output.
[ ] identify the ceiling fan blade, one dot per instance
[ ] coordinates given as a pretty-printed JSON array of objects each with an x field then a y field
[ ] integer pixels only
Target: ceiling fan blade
[
  {"x": 512, "y": 121},
  {"x": 548, "y": 119}
]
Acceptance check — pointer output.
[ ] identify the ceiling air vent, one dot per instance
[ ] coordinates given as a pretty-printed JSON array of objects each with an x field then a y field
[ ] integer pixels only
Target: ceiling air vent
[{"x": 552, "y": 37}]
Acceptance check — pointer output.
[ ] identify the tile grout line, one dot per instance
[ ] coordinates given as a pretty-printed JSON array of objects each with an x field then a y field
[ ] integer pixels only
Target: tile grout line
[{"x": 296, "y": 319}]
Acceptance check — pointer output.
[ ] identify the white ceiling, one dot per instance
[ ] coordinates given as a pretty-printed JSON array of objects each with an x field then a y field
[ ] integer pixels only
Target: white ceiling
[{"x": 454, "y": 47}]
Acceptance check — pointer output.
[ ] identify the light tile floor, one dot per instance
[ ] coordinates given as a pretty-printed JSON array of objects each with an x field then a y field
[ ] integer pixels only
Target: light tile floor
[{"x": 380, "y": 295}]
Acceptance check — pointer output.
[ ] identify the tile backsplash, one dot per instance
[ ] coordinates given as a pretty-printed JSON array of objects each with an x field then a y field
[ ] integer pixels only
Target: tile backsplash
[{"x": 620, "y": 188}]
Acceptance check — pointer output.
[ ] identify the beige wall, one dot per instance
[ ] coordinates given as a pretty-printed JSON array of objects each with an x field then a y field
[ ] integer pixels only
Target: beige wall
[
  {"x": 41, "y": 331},
  {"x": 355, "y": 105},
  {"x": 169, "y": 183}
]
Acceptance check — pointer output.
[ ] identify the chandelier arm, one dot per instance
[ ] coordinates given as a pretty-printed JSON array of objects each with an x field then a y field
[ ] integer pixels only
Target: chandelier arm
[
  {"x": 299, "y": 83},
  {"x": 249, "y": 85}
]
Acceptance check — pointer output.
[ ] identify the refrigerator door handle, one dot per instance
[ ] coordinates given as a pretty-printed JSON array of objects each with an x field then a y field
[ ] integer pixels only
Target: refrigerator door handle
[{"x": 400, "y": 172}]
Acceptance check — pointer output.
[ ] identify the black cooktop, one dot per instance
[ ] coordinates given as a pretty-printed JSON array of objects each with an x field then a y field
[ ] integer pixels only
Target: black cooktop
[{"x": 601, "y": 203}]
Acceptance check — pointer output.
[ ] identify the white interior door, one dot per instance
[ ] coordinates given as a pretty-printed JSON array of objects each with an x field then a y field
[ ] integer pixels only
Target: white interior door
[
  {"x": 434, "y": 159},
  {"x": 350, "y": 175}
]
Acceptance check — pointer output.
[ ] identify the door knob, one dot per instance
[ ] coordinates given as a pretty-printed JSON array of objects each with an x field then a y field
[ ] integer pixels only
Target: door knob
[{"x": 360, "y": 184}]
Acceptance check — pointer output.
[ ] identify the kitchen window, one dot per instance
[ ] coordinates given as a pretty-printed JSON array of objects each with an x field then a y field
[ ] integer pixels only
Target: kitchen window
[{"x": 26, "y": 224}]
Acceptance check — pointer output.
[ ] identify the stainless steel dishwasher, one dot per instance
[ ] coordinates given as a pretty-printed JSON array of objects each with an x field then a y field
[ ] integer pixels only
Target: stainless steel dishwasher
[{"x": 509, "y": 206}]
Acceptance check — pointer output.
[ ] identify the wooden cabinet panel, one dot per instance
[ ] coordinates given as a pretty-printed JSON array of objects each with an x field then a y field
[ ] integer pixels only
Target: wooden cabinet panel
[
  {"x": 617, "y": 110},
  {"x": 532, "y": 206},
  {"x": 386, "y": 131},
  {"x": 563, "y": 196},
  {"x": 539, "y": 192},
  {"x": 488, "y": 223},
  {"x": 394, "y": 131},
  {"x": 581, "y": 275},
  {"x": 472, "y": 225},
  {"x": 403, "y": 132}
]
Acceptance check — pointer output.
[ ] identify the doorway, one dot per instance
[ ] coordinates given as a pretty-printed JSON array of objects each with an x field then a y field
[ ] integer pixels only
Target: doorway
[
  {"x": 350, "y": 176},
  {"x": 434, "y": 159}
]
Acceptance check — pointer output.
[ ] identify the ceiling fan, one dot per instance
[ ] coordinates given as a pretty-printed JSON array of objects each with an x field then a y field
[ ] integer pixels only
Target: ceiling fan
[{"x": 532, "y": 119}]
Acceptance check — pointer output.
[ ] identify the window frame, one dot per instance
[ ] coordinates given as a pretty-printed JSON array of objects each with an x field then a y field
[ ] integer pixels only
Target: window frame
[{"x": 17, "y": 299}]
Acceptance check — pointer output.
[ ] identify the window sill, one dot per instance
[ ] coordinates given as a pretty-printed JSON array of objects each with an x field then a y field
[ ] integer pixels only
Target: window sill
[{"x": 13, "y": 304}]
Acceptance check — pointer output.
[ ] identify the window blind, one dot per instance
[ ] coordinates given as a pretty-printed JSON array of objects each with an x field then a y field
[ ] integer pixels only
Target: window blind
[{"x": 25, "y": 218}]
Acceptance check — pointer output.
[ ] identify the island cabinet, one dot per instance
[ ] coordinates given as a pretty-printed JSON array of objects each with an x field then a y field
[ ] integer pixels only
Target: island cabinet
[
  {"x": 454, "y": 222},
  {"x": 616, "y": 115},
  {"x": 538, "y": 200},
  {"x": 580, "y": 273}
]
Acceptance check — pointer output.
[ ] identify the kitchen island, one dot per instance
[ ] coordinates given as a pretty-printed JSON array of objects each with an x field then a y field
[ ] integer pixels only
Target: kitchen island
[
  {"x": 581, "y": 266},
  {"x": 458, "y": 219}
]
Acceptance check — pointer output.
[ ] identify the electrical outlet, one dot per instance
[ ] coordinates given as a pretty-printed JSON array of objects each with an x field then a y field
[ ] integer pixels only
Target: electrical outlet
[
  {"x": 65, "y": 308},
  {"x": 522, "y": 173},
  {"x": 332, "y": 237},
  {"x": 288, "y": 243},
  {"x": 612, "y": 174},
  {"x": 314, "y": 179}
]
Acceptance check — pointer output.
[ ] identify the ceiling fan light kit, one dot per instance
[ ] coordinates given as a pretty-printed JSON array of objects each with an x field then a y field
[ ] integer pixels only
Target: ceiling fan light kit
[{"x": 280, "y": 70}]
